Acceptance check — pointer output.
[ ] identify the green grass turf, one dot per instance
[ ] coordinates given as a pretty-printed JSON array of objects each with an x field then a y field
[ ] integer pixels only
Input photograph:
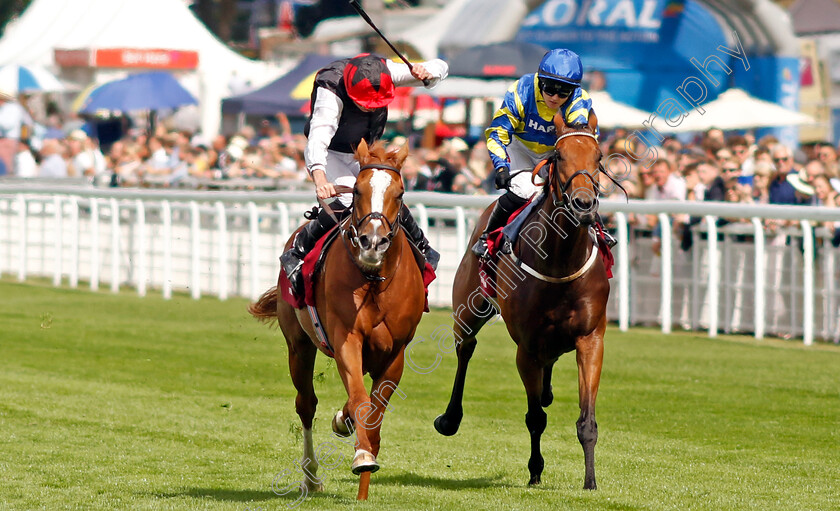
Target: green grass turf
[{"x": 117, "y": 402}]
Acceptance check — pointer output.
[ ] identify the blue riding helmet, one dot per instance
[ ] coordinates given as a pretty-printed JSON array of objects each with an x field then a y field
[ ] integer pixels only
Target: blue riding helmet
[{"x": 561, "y": 65}]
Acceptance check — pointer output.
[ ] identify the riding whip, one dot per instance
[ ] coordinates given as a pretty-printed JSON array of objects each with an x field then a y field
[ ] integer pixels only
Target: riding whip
[{"x": 363, "y": 14}]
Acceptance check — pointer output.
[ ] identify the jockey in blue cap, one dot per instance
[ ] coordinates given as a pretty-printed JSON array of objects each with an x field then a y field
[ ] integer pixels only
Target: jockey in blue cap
[{"x": 522, "y": 132}]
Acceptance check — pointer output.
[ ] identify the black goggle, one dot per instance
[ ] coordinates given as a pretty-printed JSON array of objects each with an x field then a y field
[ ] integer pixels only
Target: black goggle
[{"x": 553, "y": 88}]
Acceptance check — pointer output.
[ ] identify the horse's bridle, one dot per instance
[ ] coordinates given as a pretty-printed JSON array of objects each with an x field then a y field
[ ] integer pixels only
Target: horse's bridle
[
  {"x": 564, "y": 196},
  {"x": 352, "y": 230}
]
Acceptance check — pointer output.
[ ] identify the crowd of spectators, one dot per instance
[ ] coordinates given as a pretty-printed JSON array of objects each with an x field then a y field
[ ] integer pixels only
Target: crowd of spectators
[{"x": 735, "y": 169}]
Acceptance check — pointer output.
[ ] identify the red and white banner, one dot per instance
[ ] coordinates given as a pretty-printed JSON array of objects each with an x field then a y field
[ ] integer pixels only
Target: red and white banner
[{"x": 127, "y": 58}]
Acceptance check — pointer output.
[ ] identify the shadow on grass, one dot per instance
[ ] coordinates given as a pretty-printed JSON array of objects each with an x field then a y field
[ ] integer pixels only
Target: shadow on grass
[
  {"x": 226, "y": 495},
  {"x": 441, "y": 483}
]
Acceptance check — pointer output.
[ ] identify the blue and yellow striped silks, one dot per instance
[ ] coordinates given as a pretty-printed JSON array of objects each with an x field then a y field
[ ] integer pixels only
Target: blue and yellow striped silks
[{"x": 524, "y": 115}]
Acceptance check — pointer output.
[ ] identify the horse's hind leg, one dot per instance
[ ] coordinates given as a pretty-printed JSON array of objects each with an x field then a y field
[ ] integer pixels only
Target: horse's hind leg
[
  {"x": 469, "y": 318},
  {"x": 301, "y": 366},
  {"x": 531, "y": 373},
  {"x": 590, "y": 354}
]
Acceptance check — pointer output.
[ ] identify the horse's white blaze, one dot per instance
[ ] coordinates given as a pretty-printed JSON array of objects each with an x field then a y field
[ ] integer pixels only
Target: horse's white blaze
[{"x": 379, "y": 183}]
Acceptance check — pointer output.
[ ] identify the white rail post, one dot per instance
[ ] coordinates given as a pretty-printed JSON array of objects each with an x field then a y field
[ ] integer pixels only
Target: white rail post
[
  {"x": 760, "y": 289},
  {"x": 808, "y": 283},
  {"x": 22, "y": 238},
  {"x": 283, "y": 209},
  {"x": 115, "y": 246},
  {"x": 142, "y": 248},
  {"x": 254, "y": 227},
  {"x": 221, "y": 218},
  {"x": 74, "y": 242},
  {"x": 166, "y": 211},
  {"x": 623, "y": 272},
  {"x": 58, "y": 204},
  {"x": 666, "y": 272},
  {"x": 94, "y": 244},
  {"x": 195, "y": 240},
  {"x": 714, "y": 275},
  {"x": 423, "y": 218},
  {"x": 461, "y": 229}
]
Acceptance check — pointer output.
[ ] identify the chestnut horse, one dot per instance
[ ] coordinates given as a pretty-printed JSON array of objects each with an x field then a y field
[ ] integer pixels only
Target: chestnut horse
[
  {"x": 370, "y": 299},
  {"x": 552, "y": 292}
]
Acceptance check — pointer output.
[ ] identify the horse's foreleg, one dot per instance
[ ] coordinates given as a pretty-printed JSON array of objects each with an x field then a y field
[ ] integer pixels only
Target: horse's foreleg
[
  {"x": 590, "y": 355},
  {"x": 470, "y": 315},
  {"x": 348, "y": 358},
  {"x": 448, "y": 423},
  {"x": 301, "y": 366},
  {"x": 531, "y": 373},
  {"x": 547, "y": 394},
  {"x": 381, "y": 390}
]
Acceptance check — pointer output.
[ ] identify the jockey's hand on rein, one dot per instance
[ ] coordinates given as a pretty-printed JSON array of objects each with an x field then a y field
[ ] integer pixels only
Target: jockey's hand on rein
[{"x": 502, "y": 178}]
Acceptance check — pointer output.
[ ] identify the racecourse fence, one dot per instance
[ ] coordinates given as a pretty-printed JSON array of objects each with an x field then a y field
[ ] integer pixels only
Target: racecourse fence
[{"x": 736, "y": 278}]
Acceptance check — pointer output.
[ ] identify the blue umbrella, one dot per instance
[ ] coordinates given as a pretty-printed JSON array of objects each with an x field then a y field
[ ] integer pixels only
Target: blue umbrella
[
  {"x": 144, "y": 91},
  {"x": 15, "y": 79}
]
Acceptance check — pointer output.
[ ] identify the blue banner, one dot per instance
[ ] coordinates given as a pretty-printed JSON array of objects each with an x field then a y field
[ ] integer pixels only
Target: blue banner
[{"x": 598, "y": 21}]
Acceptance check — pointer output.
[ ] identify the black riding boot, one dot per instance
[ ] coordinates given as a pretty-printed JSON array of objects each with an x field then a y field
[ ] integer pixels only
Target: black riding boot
[
  {"x": 416, "y": 236},
  {"x": 292, "y": 259},
  {"x": 611, "y": 241},
  {"x": 504, "y": 207}
]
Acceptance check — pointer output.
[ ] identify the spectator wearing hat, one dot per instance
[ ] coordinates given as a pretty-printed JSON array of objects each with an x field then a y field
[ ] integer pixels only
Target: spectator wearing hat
[{"x": 349, "y": 104}]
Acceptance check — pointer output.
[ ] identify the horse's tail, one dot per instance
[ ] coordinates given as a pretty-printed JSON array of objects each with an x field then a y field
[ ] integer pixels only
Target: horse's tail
[{"x": 265, "y": 308}]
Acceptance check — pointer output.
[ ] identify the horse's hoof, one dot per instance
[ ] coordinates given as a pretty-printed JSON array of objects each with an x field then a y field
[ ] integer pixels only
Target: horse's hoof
[
  {"x": 590, "y": 485},
  {"x": 309, "y": 485},
  {"x": 339, "y": 426},
  {"x": 547, "y": 397},
  {"x": 364, "y": 461},
  {"x": 535, "y": 480},
  {"x": 445, "y": 426}
]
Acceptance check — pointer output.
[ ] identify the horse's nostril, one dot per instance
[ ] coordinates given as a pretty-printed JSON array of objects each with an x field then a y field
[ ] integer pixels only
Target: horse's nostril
[
  {"x": 582, "y": 205},
  {"x": 364, "y": 241},
  {"x": 383, "y": 244}
]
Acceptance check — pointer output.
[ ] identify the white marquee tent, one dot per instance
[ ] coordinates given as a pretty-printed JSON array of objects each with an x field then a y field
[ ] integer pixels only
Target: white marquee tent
[{"x": 95, "y": 25}]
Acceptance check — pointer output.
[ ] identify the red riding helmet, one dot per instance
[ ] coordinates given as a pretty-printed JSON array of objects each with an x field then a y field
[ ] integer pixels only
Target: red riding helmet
[{"x": 368, "y": 81}]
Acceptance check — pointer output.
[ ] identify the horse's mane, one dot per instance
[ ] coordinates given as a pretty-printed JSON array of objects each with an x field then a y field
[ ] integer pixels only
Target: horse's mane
[{"x": 378, "y": 154}]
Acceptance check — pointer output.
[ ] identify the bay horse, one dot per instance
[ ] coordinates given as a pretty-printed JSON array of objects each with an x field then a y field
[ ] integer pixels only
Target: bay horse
[
  {"x": 370, "y": 298},
  {"x": 552, "y": 293}
]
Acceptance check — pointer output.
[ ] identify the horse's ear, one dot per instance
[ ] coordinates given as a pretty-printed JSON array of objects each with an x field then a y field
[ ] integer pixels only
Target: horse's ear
[
  {"x": 593, "y": 122},
  {"x": 401, "y": 155},
  {"x": 362, "y": 152}
]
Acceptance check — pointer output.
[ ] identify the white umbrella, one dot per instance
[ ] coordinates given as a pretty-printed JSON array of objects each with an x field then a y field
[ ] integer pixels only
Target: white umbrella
[
  {"x": 612, "y": 114},
  {"x": 15, "y": 79},
  {"x": 737, "y": 110}
]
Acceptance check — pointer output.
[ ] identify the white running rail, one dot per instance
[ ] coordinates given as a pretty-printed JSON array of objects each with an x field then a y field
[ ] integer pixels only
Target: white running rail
[{"x": 227, "y": 244}]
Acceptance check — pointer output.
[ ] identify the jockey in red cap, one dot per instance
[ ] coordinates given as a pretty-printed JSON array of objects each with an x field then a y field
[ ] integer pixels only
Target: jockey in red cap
[{"x": 349, "y": 104}]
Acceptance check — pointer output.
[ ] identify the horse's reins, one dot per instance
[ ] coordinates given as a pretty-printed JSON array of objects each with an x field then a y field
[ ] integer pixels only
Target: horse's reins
[{"x": 551, "y": 162}]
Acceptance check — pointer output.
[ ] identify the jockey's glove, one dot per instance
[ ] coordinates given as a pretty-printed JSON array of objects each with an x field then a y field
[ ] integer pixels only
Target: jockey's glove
[{"x": 502, "y": 178}]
